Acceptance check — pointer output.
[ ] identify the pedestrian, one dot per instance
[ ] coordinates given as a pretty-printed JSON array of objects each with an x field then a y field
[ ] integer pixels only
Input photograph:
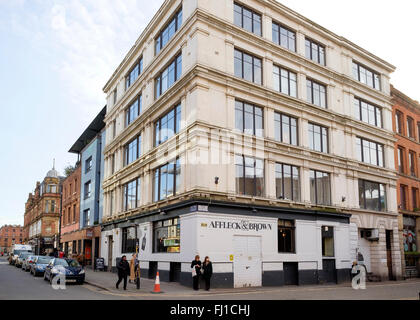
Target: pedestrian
[
  {"x": 133, "y": 263},
  {"x": 80, "y": 259},
  {"x": 207, "y": 272},
  {"x": 196, "y": 271},
  {"x": 123, "y": 271}
]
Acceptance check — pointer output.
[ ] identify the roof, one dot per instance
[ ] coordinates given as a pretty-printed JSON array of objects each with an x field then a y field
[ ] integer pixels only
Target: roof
[{"x": 91, "y": 132}]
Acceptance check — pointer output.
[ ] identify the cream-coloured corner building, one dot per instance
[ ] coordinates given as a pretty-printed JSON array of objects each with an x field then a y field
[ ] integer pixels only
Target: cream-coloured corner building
[{"x": 248, "y": 133}]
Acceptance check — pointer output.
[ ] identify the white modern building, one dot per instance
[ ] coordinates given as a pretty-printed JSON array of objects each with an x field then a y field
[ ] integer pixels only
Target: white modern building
[{"x": 243, "y": 131}]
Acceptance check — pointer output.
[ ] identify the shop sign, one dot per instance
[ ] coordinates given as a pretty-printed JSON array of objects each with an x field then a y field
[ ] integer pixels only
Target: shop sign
[
  {"x": 243, "y": 225},
  {"x": 231, "y": 257},
  {"x": 89, "y": 233}
]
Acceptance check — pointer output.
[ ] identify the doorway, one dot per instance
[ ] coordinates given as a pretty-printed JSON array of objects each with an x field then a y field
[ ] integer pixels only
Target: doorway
[
  {"x": 247, "y": 266},
  {"x": 175, "y": 272},
  {"x": 389, "y": 254},
  {"x": 291, "y": 273},
  {"x": 110, "y": 241}
]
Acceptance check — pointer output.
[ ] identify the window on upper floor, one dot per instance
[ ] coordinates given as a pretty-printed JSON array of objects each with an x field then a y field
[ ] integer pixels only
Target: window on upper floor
[
  {"x": 410, "y": 128},
  {"x": 88, "y": 165},
  {"x": 114, "y": 98},
  {"x": 320, "y": 187},
  {"x": 132, "y": 150},
  {"x": 418, "y": 131},
  {"x": 113, "y": 163},
  {"x": 403, "y": 198},
  {"x": 248, "y": 67},
  {"x": 167, "y": 180},
  {"x": 285, "y": 128},
  {"x": 316, "y": 93},
  {"x": 399, "y": 122},
  {"x": 249, "y": 118},
  {"x": 134, "y": 73},
  {"x": 372, "y": 195},
  {"x": 86, "y": 218},
  {"x": 133, "y": 111},
  {"x": 285, "y": 81},
  {"x": 74, "y": 213},
  {"x": 366, "y": 76},
  {"x": 168, "y": 76},
  {"x": 247, "y": 19},
  {"x": 249, "y": 176},
  {"x": 370, "y": 152},
  {"x": 287, "y": 182},
  {"x": 284, "y": 36},
  {"x": 315, "y": 51},
  {"x": 412, "y": 163},
  {"x": 400, "y": 156},
  {"x": 318, "y": 138},
  {"x": 414, "y": 198},
  {"x": 132, "y": 194},
  {"x": 367, "y": 112},
  {"x": 168, "y": 125},
  {"x": 88, "y": 189},
  {"x": 168, "y": 31}
]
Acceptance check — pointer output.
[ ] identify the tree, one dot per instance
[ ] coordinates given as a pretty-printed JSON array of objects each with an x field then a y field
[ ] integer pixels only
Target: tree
[{"x": 69, "y": 170}]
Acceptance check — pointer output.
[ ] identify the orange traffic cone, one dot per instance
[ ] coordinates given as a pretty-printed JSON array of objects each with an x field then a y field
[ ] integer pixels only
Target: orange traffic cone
[{"x": 157, "y": 284}]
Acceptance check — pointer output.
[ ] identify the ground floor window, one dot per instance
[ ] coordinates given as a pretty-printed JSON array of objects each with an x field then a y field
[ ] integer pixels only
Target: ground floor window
[
  {"x": 286, "y": 236},
  {"x": 128, "y": 240},
  {"x": 409, "y": 234},
  {"x": 167, "y": 236},
  {"x": 327, "y": 241}
]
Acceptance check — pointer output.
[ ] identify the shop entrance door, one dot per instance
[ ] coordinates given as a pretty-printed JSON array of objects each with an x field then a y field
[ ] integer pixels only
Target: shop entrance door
[
  {"x": 389, "y": 254},
  {"x": 110, "y": 253},
  {"x": 247, "y": 265}
]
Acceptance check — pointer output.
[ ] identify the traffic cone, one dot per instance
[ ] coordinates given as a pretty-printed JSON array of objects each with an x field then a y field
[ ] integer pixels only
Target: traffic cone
[{"x": 157, "y": 284}]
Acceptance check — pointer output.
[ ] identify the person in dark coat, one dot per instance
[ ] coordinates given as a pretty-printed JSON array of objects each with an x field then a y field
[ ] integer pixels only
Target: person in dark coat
[
  {"x": 207, "y": 272},
  {"x": 196, "y": 264},
  {"x": 123, "y": 272}
]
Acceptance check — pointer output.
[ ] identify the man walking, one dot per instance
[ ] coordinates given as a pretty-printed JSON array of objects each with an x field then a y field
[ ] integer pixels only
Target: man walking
[{"x": 123, "y": 272}]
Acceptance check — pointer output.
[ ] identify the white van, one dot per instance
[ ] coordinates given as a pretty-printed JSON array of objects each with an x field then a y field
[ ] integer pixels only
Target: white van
[{"x": 18, "y": 249}]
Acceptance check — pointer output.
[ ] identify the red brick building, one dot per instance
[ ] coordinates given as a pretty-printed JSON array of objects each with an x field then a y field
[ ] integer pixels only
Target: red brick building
[
  {"x": 10, "y": 235},
  {"x": 406, "y": 125},
  {"x": 70, "y": 235},
  {"x": 42, "y": 214}
]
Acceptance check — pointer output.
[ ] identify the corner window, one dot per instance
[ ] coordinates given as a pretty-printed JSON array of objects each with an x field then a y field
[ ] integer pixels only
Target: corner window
[
  {"x": 249, "y": 119},
  {"x": 248, "y": 67},
  {"x": 168, "y": 76},
  {"x": 247, "y": 19},
  {"x": 167, "y": 236},
  {"x": 366, "y": 76},
  {"x": 315, "y": 51},
  {"x": 285, "y": 81},
  {"x": 286, "y": 236},
  {"x": 284, "y": 37}
]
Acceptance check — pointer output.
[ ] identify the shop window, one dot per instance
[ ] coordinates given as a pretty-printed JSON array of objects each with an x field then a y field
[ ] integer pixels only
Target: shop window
[
  {"x": 327, "y": 241},
  {"x": 286, "y": 236},
  {"x": 167, "y": 236},
  {"x": 128, "y": 240}
]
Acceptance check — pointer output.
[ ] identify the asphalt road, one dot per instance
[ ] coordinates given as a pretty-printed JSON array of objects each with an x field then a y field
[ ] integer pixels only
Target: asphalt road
[{"x": 17, "y": 284}]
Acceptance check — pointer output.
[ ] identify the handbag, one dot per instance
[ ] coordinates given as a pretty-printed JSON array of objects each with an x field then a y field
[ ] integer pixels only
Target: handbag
[{"x": 193, "y": 271}]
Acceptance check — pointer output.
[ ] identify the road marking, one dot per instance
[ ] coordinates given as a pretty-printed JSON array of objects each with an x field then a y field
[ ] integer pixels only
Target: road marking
[{"x": 4, "y": 262}]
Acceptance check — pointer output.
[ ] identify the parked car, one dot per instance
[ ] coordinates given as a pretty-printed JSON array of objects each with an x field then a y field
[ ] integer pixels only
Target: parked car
[
  {"x": 39, "y": 265},
  {"x": 26, "y": 265},
  {"x": 21, "y": 257},
  {"x": 72, "y": 270}
]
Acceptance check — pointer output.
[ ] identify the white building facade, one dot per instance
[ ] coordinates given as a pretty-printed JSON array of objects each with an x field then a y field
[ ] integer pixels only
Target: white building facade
[{"x": 242, "y": 131}]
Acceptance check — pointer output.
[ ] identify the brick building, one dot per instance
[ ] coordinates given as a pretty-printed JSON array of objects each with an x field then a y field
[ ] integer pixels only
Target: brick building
[
  {"x": 406, "y": 125},
  {"x": 42, "y": 214},
  {"x": 10, "y": 235},
  {"x": 70, "y": 236}
]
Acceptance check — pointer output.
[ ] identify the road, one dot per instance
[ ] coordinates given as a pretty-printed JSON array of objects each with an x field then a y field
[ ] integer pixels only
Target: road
[{"x": 17, "y": 284}]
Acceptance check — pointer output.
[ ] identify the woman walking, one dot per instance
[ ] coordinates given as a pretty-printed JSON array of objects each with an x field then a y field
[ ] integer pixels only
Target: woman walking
[
  {"x": 196, "y": 271},
  {"x": 207, "y": 272},
  {"x": 132, "y": 268}
]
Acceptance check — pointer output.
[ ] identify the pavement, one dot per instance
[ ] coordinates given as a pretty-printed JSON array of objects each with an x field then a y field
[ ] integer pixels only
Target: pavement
[{"x": 20, "y": 285}]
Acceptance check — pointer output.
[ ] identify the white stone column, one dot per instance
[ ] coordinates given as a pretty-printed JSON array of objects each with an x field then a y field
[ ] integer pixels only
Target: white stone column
[
  {"x": 300, "y": 43},
  {"x": 270, "y": 175}
]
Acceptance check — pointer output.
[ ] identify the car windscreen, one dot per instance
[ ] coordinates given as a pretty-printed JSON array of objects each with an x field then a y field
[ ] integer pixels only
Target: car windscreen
[
  {"x": 24, "y": 255},
  {"x": 18, "y": 252},
  {"x": 61, "y": 262},
  {"x": 43, "y": 260},
  {"x": 73, "y": 263}
]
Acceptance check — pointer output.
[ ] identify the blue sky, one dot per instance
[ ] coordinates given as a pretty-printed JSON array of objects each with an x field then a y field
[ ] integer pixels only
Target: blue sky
[{"x": 56, "y": 56}]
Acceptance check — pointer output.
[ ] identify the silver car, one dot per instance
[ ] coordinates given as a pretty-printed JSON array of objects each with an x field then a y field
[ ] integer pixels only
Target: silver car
[
  {"x": 21, "y": 257},
  {"x": 27, "y": 262}
]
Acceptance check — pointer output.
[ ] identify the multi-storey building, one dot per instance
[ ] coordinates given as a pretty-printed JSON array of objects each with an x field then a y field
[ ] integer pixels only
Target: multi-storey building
[
  {"x": 406, "y": 125},
  {"x": 243, "y": 131},
  {"x": 70, "y": 215},
  {"x": 42, "y": 214},
  {"x": 89, "y": 147},
  {"x": 9, "y": 236}
]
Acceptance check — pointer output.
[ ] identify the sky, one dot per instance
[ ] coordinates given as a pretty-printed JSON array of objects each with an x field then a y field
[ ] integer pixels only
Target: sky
[{"x": 57, "y": 55}]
